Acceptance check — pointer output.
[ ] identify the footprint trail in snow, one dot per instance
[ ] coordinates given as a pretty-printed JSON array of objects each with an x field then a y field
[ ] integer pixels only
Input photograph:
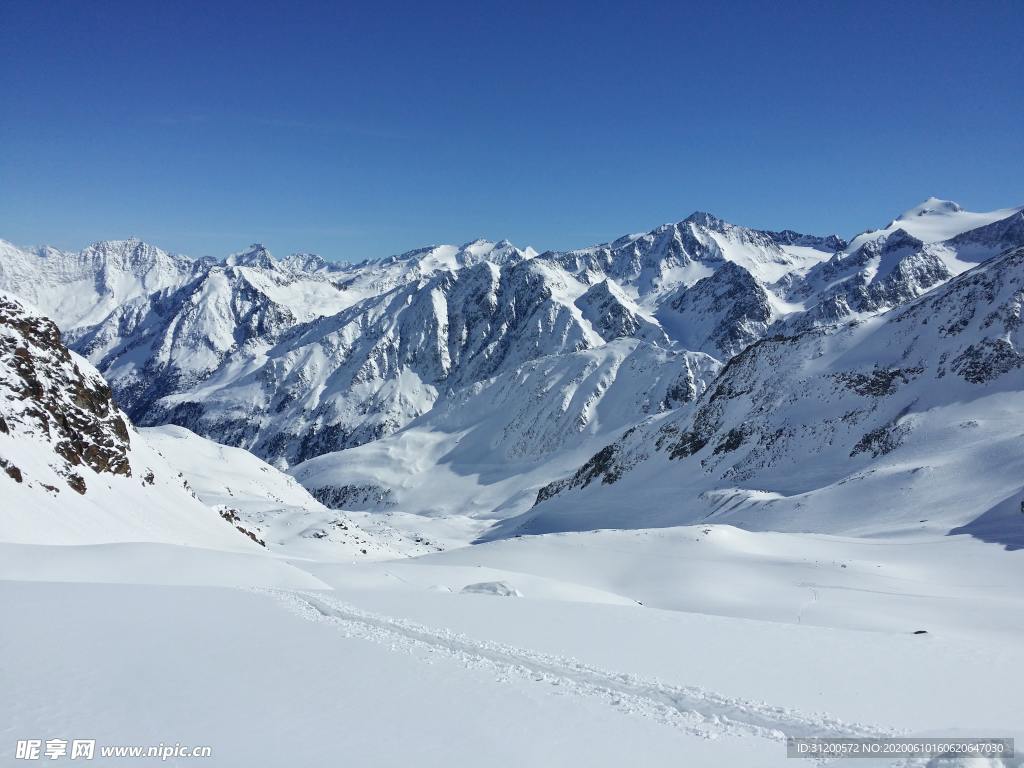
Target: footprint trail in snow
[{"x": 693, "y": 709}]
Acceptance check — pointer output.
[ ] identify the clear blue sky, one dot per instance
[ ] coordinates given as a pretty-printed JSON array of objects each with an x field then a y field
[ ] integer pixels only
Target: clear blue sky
[{"x": 358, "y": 130}]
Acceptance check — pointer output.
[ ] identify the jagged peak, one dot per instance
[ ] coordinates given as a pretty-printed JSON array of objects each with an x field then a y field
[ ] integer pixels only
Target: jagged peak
[
  {"x": 831, "y": 242},
  {"x": 902, "y": 236},
  {"x": 126, "y": 245},
  {"x": 606, "y": 287},
  {"x": 127, "y": 242},
  {"x": 705, "y": 219},
  {"x": 256, "y": 255},
  {"x": 897, "y": 238},
  {"x": 309, "y": 262}
]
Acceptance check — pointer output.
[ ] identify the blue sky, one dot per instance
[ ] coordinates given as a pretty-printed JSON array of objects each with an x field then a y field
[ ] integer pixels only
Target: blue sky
[{"x": 363, "y": 130}]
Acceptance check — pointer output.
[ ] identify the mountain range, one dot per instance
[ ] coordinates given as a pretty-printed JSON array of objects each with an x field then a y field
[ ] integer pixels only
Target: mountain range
[{"x": 699, "y": 371}]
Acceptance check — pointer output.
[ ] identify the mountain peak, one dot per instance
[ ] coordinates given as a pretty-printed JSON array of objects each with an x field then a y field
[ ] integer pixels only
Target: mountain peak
[
  {"x": 306, "y": 262},
  {"x": 255, "y": 256},
  {"x": 704, "y": 219},
  {"x": 933, "y": 206},
  {"x": 126, "y": 245}
]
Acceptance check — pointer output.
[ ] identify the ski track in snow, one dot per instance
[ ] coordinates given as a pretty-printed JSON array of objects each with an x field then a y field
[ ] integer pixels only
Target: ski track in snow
[{"x": 693, "y": 709}]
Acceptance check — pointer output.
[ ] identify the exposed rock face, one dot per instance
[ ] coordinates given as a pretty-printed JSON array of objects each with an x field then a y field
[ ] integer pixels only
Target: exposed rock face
[
  {"x": 46, "y": 392},
  {"x": 358, "y": 497},
  {"x": 721, "y": 314},
  {"x": 614, "y": 316},
  {"x": 831, "y": 243}
]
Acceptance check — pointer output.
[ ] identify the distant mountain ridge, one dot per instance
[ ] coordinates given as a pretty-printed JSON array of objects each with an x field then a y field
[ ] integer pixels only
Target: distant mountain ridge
[
  {"x": 337, "y": 355},
  {"x": 308, "y": 364}
]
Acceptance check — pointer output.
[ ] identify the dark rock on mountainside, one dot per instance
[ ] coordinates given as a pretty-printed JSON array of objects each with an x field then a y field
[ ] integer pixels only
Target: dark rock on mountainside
[{"x": 44, "y": 390}]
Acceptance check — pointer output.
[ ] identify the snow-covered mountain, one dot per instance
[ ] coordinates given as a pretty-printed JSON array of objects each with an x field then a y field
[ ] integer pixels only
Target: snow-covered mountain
[
  {"x": 650, "y": 265},
  {"x": 294, "y": 358},
  {"x": 367, "y": 371},
  {"x": 907, "y": 421},
  {"x": 456, "y": 317},
  {"x": 494, "y": 367},
  {"x": 81, "y": 289},
  {"x": 486, "y": 449},
  {"x": 76, "y": 471},
  {"x": 882, "y": 269}
]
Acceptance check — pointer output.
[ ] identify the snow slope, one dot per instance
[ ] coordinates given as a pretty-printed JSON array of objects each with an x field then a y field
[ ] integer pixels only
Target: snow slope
[
  {"x": 74, "y": 469},
  {"x": 485, "y": 450},
  {"x": 278, "y": 510},
  {"x": 909, "y": 421},
  {"x": 933, "y": 221},
  {"x": 390, "y": 663}
]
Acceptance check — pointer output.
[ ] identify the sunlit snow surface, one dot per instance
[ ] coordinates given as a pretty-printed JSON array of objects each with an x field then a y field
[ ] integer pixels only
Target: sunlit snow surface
[
  {"x": 704, "y": 645},
  {"x": 571, "y": 534}
]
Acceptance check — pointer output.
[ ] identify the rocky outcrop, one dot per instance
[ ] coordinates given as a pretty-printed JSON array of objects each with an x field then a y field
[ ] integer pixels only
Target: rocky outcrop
[
  {"x": 721, "y": 314},
  {"x": 47, "y": 392}
]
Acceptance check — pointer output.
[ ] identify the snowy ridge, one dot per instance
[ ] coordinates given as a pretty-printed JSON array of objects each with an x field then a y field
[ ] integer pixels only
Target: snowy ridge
[
  {"x": 297, "y": 358},
  {"x": 933, "y": 221},
  {"x": 673, "y": 255},
  {"x": 849, "y": 429},
  {"x": 895, "y": 265}
]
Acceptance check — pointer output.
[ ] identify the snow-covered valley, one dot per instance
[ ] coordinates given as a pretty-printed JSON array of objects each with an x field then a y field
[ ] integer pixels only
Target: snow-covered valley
[
  {"x": 665, "y": 500},
  {"x": 737, "y": 645}
]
